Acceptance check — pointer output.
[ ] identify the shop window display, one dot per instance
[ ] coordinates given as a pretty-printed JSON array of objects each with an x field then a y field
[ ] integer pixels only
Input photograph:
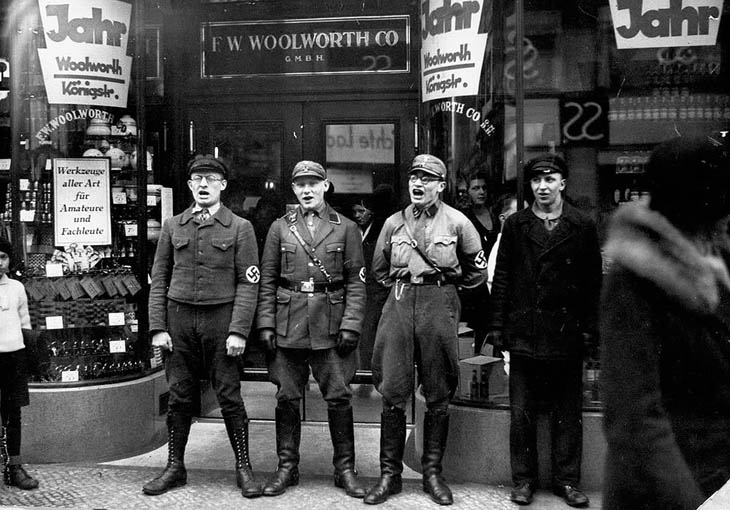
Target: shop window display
[{"x": 76, "y": 208}]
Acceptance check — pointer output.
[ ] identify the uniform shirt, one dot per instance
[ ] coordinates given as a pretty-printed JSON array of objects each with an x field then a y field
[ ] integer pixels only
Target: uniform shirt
[
  {"x": 444, "y": 235},
  {"x": 212, "y": 263},
  {"x": 14, "y": 314}
]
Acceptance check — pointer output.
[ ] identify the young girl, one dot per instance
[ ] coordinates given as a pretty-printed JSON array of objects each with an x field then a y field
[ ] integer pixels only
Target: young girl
[{"x": 13, "y": 378}]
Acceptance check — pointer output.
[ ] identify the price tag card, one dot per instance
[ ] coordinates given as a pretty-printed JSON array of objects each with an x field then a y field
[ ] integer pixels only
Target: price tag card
[
  {"x": 54, "y": 322},
  {"x": 27, "y": 216},
  {"x": 130, "y": 229},
  {"x": 23, "y": 184},
  {"x": 116, "y": 318},
  {"x": 119, "y": 198},
  {"x": 117, "y": 346},
  {"x": 5, "y": 164},
  {"x": 54, "y": 269},
  {"x": 70, "y": 376},
  {"x": 133, "y": 328},
  {"x": 151, "y": 200}
]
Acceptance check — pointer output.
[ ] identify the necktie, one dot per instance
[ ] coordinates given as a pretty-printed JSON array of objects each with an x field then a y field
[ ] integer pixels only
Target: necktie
[{"x": 203, "y": 215}]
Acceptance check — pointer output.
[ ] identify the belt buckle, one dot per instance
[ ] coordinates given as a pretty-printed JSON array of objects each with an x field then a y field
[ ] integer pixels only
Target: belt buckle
[
  {"x": 307, "y": 286},
  {"x": 418, "y": 280}
]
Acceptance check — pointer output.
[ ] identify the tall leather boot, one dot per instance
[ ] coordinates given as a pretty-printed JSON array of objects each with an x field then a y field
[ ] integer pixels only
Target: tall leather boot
[
  {"x": 343, "y": 441},
  {"x": 436, "y": 429},
  {"x": 174, "y": 475},
  {"x": 288, "y": 436},
  {"x": 392, "y": 445},
  {"x": 237, "y": 428}
]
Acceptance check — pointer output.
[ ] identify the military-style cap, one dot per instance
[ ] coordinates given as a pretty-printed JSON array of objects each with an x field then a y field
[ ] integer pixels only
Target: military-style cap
[
  {"x": 430, "y": 165},
  {"x": 207, "y": 162},
  {"x": 308, "y": 169},
  {"x": 545, "y": 164}
]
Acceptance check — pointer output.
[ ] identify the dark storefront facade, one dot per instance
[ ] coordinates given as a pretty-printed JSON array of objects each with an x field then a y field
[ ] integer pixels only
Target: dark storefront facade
[{"x": 124, "y": 92}]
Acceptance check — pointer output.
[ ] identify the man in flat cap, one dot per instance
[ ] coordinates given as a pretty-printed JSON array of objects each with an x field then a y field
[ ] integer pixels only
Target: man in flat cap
[
  {"x": 202, "y": 301},
  {"x": 310, "y": 313},
  {"x": 544, "y": 305},
  {"x": 424, "y": 254}
]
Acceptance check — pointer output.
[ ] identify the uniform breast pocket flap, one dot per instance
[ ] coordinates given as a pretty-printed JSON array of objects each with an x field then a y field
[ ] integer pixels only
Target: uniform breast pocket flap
[
  {"x": 400, "y": 250},
  {"x": 222, "y": 243},
  {"x": 287, "y": 257},
  {"x": 444, "y": 248},
  {"x": 336, "y": 252},
  {"x": 180, "y": 242}
]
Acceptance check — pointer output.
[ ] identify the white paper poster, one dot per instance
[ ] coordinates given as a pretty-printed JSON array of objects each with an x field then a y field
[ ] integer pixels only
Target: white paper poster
[
  {"x": 665, "y": 23},
  {"x": 85, "y": 60},
  {"x": 452, "y": 51},
  {"x": 82, "y": 201}
]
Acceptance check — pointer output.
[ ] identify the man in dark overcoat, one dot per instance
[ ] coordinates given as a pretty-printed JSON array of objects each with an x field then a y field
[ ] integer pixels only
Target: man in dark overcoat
[
  {"x": 544, "y": 296},
  {"x": 310, "y": 313}
]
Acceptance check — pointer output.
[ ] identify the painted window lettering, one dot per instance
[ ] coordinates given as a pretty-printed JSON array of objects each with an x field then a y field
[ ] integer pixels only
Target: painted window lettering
[
  {"x": 85, "y": 30},
  {"x": 667, "y": 22},
  {"x": 440, "y": 19}
]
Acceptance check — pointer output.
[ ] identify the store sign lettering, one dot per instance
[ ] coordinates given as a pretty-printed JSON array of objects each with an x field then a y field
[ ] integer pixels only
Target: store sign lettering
[
  {"x": 85, "y": 60},
  {"x": 316, "y": 46},
  {"x": 448, "y": 17},
  {"x": 473, "y": 114},
  {"x": 85, "y": 30},
  {"x": 452, "y": 52},
  {"x": 665, "y": 23},
  {"x": 44, "y": 133}
]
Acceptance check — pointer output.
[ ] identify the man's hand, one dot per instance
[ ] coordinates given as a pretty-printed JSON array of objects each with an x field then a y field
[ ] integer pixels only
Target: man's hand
[
  {"x": 346, "y": 342},
  {"x": 494, "y": 337},
  {"x": 267, "y": 337},
  {"x": 235, "y": 345},
  {"x": 162, "y": 340}
]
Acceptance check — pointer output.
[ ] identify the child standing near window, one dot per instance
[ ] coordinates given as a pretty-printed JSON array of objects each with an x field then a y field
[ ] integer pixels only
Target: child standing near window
[{"x": 13, "y": 375}]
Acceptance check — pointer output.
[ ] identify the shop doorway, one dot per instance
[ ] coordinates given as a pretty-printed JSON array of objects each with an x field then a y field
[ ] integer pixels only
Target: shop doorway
[{"x": 362, "y": 144}]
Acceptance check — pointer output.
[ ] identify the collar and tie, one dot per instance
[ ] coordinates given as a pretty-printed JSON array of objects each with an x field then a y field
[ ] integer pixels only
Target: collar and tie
[{"x": 202, "y": 215}]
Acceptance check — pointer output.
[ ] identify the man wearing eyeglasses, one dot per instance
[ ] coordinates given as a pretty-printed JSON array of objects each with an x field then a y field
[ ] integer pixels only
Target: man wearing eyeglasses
[
  {"x": 424, "y": 254},
  {"x": 202, "y": 300}
]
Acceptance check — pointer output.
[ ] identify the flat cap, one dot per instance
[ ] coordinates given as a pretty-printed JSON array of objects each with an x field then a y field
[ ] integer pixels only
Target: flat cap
[
  {"x": 428, "y": 164},
  {"x": 207, "y": 162},
  {"x": 308, "y": 169},
  {"x": 545, "y": 164}
]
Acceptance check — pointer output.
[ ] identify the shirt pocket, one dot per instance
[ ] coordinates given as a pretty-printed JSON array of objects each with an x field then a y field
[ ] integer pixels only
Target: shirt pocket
[
  {"x": 222, "y": 252},
  {"x": 335, "y": 258},
  {"x": 180, "y": 242},
  {"x": 288, "y": 251},
  {"x": 444, "y": 251},
  {"x": 400, "y": 251}
]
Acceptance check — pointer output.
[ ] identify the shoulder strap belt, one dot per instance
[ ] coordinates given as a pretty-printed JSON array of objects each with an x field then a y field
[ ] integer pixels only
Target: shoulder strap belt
[
  {"x": 414, "y": 244},
  {"x": 292, "y": 221}
]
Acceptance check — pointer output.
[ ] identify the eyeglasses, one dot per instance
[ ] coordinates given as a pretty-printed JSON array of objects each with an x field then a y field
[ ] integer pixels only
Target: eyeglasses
[
  {"x": 423, "y": 178},
  {"x": 208, "y": 178}
]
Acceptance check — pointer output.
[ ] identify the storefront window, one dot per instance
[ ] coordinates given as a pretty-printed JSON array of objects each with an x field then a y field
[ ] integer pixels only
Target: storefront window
[
  {"x": 596, "y": 83},
  {"x": 75, "y": 176}
]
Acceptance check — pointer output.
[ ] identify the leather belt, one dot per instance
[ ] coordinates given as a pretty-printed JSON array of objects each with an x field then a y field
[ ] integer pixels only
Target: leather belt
[
  {"x": 310, "y": 287},
  {"x": 427, "y": 279}
]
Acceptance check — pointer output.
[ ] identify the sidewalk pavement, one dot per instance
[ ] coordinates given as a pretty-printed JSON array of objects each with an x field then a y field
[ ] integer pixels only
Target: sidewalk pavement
[{"x": 117, "y": 485}]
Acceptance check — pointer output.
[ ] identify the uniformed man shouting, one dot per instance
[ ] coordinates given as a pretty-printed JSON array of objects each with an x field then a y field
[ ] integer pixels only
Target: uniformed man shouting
[
  {"x": 423, "y": 254},
  {"x": 311, "y": 306}
]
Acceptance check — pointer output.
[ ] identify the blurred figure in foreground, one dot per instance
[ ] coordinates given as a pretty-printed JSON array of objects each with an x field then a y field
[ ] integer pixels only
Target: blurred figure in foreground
[{"x": 665, "y": 332}]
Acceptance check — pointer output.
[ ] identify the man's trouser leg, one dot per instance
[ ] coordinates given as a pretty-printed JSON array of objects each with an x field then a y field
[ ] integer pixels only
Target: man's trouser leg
[
  {"x": 174, "y": 475},
  {"x": 566, "y": 423},
  {"x": 523, "y": 422},
  {"x": 392, "y": 446}
]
